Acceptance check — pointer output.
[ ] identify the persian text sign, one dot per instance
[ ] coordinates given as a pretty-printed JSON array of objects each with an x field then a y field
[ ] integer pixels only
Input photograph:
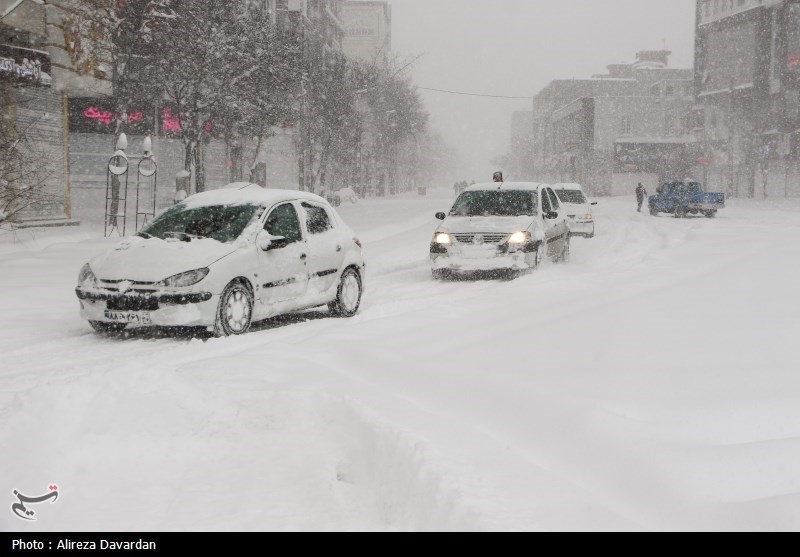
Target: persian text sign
[
  {"x": 100, "y": 115},
  {"x": 24, "y": 65}
]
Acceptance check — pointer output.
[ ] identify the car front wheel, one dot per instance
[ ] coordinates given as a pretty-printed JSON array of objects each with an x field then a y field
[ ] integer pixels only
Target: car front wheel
[
  {"x": 235, "y": 312},
  {"x": 348, "y": 297}
]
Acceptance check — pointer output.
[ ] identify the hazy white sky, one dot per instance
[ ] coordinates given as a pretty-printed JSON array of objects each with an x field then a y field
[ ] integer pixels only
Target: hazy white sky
[{"x": 516, "y": 47}]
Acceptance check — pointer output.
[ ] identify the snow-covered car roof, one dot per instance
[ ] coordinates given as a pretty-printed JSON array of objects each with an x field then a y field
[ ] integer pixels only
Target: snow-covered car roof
[
  {"x": 505, "y": 186},
  {"x": 574, "y": 187},
  {"x": 243, "y": 193}
]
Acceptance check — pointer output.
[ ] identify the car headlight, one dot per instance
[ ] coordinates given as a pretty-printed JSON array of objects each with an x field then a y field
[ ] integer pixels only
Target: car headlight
[
  {"x": 520, "y": 238},
  {"x": 588, "y": 216},
  {"x": 86, "y": 277},
  {"x": 184, "y": 279},
  {"x": 442, "y": 238}
]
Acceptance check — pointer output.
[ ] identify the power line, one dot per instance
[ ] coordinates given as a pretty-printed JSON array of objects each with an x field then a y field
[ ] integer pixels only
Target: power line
[{"x": 465, "y": 94}]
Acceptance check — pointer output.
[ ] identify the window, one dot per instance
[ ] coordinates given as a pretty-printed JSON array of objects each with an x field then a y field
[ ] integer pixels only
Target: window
[
  {"x": 625, "y": 126},
  {"x": 223, "y": 223},
  {"x": 575, "y": 197},
  {"x": 493, "y": 203},
  {"x": 553, "y": 200},
  {"x": 317, "y": 219},
  {"x": 283, "y": 222},
  {"x": 546, "y": 206}
]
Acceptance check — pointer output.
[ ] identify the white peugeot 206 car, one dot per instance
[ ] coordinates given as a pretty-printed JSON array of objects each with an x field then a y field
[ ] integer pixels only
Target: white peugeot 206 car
[
  {"x": 500, "y": 227},
  {"x": 579, "y": 209},
  {"x": 224, "y": 260}
]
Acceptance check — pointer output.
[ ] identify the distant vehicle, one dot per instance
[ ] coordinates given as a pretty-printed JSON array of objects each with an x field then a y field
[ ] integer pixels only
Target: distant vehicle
[
  {"x": 225, "y": 259},
  {"x": 686, "y": 198},
  {"x": 344, "y": 195},
  {"x": 500, "y": 227},
  {"x": 579, "y": 209}
]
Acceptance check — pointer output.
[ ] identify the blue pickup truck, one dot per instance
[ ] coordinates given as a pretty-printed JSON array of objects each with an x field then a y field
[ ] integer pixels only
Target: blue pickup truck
[{"x": 686, "y": 198}]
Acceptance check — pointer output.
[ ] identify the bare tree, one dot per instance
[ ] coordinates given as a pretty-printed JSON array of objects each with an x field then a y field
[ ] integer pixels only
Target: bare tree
[
  {"x": 330, "y": 122},
  {"x": 203, "y": 59}
]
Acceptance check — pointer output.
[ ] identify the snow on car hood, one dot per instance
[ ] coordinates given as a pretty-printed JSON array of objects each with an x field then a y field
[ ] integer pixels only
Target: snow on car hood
[
  {"x": 153, "y": 260},
  {"x": 506, "y": 225}
]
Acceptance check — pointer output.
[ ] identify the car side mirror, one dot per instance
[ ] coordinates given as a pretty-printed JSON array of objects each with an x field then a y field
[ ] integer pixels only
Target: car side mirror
[
  {"x": 441, "y": 216},
  {"x": 552, "y": 215},
  {"x": 268, "y": 242}
]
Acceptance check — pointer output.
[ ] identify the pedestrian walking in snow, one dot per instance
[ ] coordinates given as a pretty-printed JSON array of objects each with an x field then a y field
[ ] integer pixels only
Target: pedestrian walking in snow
[{"x": 641, "y": 194}]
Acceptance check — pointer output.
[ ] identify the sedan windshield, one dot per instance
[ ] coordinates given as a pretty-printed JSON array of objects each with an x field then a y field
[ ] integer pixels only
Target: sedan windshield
[
  {"x": 223, "y": 223},
  {"x": 574, "y": 197},
  {"x": 495, "y": 204}
]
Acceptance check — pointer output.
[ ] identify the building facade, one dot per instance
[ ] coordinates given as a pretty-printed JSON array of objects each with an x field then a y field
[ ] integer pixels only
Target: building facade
[
  {"x": 368, "y": 31},
  {"x": 609, "y": 132},
  {"x": 33, "y": 109},
  {"x": 521, "y": 163},
  {"x": 82, "y": 122},
  {"x": 747, "y": 82}
]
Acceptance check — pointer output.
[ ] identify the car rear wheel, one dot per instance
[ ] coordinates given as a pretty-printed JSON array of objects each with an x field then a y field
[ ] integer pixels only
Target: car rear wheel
[
  {"x": 653, "y": 212},
  {"x": 710, "y": 214},
  {"x": 348, "y": 297},
  {"x": 680, "y": 213},
  {"x": 107, "y": 328},
  {"x": 235, "y": 312}
]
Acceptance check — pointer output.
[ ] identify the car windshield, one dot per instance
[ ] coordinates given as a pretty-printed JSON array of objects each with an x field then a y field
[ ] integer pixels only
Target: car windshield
[
  {"x": 223, "y": 223},
  {"x": 690, "y": 187},
  {"x": 495, "y": 204},
  {"x": 575, "y": 197}
]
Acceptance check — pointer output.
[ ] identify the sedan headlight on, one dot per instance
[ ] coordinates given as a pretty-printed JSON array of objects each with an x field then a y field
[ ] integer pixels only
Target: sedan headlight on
[
  {"x": 520, "y": 238},
  {"x": 184, "y": 279},
  {"x": 86, "y": 277},
  {"x": 588, "y": 216},
  {"x": 441, "y": 243}
]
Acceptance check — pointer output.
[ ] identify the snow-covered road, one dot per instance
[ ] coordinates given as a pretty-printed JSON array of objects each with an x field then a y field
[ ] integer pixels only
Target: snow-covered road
[{"x": 650, "y": 384}]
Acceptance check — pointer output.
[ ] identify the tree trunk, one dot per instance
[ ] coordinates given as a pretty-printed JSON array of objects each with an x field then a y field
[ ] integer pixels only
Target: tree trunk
[
  {"x": 200, "y": 166},
  {"x": 188, "y": 155}
]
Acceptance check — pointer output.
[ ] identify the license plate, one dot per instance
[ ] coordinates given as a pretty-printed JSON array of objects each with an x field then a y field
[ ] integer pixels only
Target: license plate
[
  {"x": 486, "y": 251},
  {"x": 130, "y": 317}
]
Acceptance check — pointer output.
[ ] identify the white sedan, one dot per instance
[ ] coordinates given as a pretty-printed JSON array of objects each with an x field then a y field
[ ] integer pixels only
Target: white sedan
[
  {"x": 579, "y": 209},
  {"x": 507, "y": 226},
  {"x": 224, "y": 260}
]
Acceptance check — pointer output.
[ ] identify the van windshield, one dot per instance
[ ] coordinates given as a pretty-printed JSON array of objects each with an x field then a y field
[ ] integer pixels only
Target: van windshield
[{"x": 495, "y": 204}]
